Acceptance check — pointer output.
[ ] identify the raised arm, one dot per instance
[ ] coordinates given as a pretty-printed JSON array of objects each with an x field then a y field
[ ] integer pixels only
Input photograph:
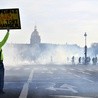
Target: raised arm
[{"x": 4, "y": 39}]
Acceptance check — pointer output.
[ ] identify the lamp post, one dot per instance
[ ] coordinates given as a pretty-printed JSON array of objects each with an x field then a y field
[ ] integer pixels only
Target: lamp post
[{"x": 85, "y": 48}]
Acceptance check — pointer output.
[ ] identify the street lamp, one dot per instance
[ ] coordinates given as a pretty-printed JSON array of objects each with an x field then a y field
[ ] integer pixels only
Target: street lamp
[{"x": 85, "y": 48}]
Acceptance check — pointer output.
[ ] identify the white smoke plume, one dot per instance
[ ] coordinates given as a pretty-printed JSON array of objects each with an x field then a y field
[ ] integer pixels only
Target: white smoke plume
[{"x": 37, "y": 55}]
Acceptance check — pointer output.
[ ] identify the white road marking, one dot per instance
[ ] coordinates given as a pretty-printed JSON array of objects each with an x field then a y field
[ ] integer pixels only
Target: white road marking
[
  {"x": 69, "y": 87},
  {"x": 88, "y": 80},
  {"x": 64, "y": 87},
  {"x": 81, "y": 71},
  {"x": 86, "y": 73},
  {"x": 24, "y": 91},
  {"x": 77, "y": 76},
  {"x": 63, "y": 96},
  {"x": 85, "y": 78}
]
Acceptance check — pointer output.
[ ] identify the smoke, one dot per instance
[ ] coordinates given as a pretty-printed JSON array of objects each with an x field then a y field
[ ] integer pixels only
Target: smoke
[
  {"x": 52, "y": 55},
  {"x": 12, "y": 56},
  {"x": 39, "y": 54}
]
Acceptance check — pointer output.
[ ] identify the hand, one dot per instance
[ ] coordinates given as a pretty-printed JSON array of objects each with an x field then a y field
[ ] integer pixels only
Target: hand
[{"x": 8, "y": 29}]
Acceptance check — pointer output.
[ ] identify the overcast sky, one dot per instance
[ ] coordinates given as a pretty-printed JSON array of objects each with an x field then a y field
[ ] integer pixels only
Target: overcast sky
[{"x": 57, "y": 21}]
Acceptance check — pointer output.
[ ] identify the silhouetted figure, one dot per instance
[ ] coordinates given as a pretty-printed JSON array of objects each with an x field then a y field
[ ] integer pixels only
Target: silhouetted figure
[
  {"x": 79, "y": 60},
  {"x": 73, "y": 60},
  {"x": 1, "y": 62},
  {"x": 88, "y": 60},
  {"x": 94, "y": 60}
]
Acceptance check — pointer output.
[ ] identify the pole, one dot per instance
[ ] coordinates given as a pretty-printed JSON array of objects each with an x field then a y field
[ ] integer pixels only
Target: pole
[{"x": 85, "y": 49}]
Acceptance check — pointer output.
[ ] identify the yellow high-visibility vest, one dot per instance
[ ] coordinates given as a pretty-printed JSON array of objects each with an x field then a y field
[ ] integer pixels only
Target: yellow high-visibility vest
[{"x": 2, "y": 43}]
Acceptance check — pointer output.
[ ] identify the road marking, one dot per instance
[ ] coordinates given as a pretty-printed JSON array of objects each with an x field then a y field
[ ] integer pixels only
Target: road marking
[
  {"x": 25, "y": 89},
  {"x": 63, "y": 96},
  {"x": 88, "y": 80},
  {"x": 64, "y": 87},
  {"x": 85, "y": 78},
  {"x": 69, "y": 87}
]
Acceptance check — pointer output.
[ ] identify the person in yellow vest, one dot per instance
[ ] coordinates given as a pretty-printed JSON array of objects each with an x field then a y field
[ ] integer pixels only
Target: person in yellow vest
[{"x": 1, "y": 62}]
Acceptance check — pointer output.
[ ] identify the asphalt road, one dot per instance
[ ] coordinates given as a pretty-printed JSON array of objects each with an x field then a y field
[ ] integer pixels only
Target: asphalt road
[{"x": 51, "y": 81}]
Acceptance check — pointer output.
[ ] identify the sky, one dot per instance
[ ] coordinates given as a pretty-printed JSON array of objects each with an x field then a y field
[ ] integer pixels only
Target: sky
[{"x": 57, "y": 21}]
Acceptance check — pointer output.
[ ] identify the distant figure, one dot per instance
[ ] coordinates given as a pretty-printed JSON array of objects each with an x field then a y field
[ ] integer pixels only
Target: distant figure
[
  {"x": 88, "y": 60},
  {"x": 73, "y": 60},
  {"x": 1, "y": 62},
  {"x": 94, "y": 60},
  {"x": 79, "y": 60}
]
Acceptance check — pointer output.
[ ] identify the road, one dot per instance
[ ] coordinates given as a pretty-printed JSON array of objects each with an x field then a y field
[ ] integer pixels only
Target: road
[{"x": 51, "y": 81}]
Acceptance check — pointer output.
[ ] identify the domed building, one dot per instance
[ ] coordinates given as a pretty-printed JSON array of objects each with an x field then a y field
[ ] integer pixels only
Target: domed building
[{"x": 35, "y": 37}]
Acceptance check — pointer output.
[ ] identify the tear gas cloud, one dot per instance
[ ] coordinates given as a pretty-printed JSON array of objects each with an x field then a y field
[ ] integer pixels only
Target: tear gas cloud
[{"x": 37, "y": 55}]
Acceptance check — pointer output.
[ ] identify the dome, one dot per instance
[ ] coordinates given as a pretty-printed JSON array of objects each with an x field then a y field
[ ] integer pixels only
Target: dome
[{"x": 35, "y": 38}]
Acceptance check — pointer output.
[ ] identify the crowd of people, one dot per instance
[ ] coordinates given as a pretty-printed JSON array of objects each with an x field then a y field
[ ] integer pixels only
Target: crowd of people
[{"x": 82, "y": 60}]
